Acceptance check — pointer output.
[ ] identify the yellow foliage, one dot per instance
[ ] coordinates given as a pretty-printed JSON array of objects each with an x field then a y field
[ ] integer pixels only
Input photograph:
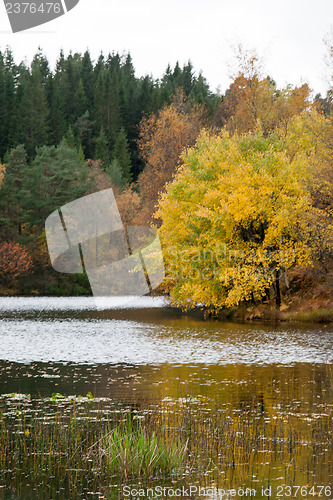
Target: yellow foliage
[
  {"x": 235, "y": 219},
  {"x": 313, "y": 133}
]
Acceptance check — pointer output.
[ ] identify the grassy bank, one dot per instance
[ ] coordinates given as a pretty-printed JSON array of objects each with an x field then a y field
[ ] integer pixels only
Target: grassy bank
[{"x": 270, "y": 313}]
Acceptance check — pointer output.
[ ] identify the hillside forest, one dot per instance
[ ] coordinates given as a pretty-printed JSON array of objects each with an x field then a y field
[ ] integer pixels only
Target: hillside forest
[{"x": 239, "y": 184}]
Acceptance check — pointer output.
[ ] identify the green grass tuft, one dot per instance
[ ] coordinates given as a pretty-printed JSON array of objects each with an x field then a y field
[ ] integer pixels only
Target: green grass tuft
[{"x": 140, "y": 453}]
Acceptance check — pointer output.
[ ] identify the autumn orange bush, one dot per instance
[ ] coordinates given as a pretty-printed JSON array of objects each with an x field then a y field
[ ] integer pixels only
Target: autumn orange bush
[
  {"x": 15, "y": 261},
  {"x": 163, "y": 137},
  {"x": 253, "y": 100}
]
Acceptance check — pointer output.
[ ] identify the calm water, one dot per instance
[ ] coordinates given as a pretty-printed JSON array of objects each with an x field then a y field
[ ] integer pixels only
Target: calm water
[{"x": 148, "y": 351}]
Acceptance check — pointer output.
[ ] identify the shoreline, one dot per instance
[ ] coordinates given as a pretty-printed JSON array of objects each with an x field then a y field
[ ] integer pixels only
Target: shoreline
[
  {"x": 270, "y": 314},
  {"x": 305, "y": 313}
]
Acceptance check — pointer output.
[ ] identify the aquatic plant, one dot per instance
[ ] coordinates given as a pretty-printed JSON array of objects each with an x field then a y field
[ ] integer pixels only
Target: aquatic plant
[
  {"x": 69, "y": 445},
  {"x": 137, "y": 451}
]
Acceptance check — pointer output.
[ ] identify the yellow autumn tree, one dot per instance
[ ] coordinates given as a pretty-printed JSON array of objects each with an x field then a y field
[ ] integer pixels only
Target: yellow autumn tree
[
  {"x": 231, "y": 220},
  {"x": 312, "y": 133}
]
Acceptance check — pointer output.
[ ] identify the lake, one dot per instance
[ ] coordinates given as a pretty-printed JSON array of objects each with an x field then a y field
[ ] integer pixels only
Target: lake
[{"x": 147, "y": 352}]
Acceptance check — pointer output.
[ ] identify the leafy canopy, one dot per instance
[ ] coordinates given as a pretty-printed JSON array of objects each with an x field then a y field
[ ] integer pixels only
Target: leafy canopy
[{"x": 231, "y": 219}]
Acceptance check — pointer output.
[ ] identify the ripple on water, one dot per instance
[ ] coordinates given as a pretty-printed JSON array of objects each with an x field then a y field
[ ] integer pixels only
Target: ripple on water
[
  {"x": 69, "y": 329},
  {"x": 150, "y": 342},
  {"x": 16, "y": 304}
]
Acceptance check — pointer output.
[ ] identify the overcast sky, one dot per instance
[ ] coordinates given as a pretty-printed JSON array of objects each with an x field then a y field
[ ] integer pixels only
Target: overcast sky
[{"x": 288, "y": 34}]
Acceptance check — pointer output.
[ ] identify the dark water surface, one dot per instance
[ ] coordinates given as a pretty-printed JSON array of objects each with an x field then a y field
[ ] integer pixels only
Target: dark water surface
[{"x": 148, "y": 352}]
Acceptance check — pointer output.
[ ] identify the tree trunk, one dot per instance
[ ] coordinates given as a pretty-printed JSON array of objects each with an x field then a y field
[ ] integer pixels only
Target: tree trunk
[
  {"x": 267, "y": 295},
  {"x": 277, "y": 290}
]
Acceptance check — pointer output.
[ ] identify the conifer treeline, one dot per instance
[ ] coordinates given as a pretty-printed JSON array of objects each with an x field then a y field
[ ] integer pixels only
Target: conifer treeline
[
  {"x": 96, "y": 104},
  {"x": 88, "y": 126}
]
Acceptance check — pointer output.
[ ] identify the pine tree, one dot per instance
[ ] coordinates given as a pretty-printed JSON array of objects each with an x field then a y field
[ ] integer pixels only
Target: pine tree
[
  {"x": 57, "y": 122},
  {"x": 115, "y": 173},
  {"x": 34, "y": 112},
  {"x": 3, "y": 133},
  {"x": 12, "y": 194},
  {"x": 187, "y": 78},
  {"x": 145, "y": 90},
  {"x": 69, "y": 87},
  {"x": 102, "y": 149},
  {"x": 41, "y": 63},
  {"x": 84, "y": 127},
  {"x": 122, "y": 154},
  {"x": 99, "y": 67},
  {"x": 112, "y": 105},
  {"x": 88, "y": 79},
  {"x": 57, "y": 176},
  {"x": 200, "y": 90},
  {"x": 37, "y": 106},
  {"x": 81, "y": 100},
  {"x": 70, "y": 139},
  {"x": 99, "y": 101},
  {"x": 8, "y": 72},
  {"x": 128, "y": 95}
]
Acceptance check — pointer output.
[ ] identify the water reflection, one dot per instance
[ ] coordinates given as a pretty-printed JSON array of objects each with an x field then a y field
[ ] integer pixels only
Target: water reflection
[
  {"x": 150, "y": 354},
  {"x": 144, "y": 335},
  {"x": 300, "y": 385}
]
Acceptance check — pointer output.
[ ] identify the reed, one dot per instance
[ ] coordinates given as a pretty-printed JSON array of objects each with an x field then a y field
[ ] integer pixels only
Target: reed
[
  {"x": 140, "y": 451},
  {"x": 82, "y": 450}
]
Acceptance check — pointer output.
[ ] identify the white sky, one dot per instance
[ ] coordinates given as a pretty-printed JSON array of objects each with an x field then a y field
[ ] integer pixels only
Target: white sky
[{"x": 288, "y": 34}]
